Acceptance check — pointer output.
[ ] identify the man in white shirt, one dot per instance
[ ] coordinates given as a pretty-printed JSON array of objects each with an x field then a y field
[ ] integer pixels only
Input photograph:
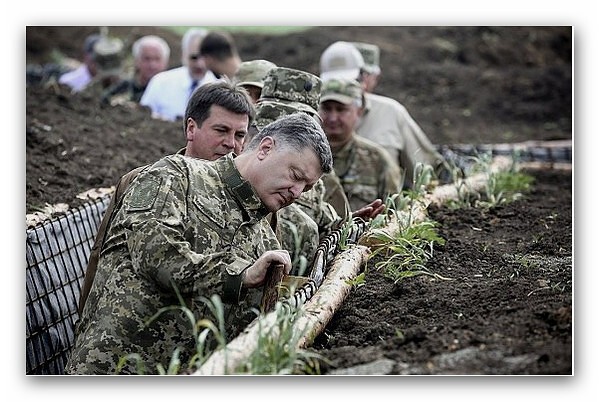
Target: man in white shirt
[{"x": 168, "y": 92}]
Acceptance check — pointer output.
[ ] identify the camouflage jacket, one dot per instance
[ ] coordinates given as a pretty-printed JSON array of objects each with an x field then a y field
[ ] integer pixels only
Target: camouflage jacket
[
  {"x": 366, "y": 172},
  {"x": 314, "y": 203},
  {"x": 299, "y": 234},
  {"x": 185, "y": 227}
]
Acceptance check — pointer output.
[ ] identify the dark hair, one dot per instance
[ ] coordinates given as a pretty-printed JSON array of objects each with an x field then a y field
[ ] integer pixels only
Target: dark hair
[
  {"x": 222, "y": 93},
  {"x": 297, "y": 131},
  {"x": 219, "y": 45}
]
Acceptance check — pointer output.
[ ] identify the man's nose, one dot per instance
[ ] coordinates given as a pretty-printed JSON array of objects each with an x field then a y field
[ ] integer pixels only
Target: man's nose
[
  {"x": 296, "y": 190},
  {"x": 229, "y": 141}
]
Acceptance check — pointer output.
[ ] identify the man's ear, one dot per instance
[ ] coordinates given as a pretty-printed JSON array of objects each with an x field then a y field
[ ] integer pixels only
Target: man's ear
[
  {"x": 189, "y": 129},
  {"x": 267, "y": 144},
  {"x": 360, "y": 110}
]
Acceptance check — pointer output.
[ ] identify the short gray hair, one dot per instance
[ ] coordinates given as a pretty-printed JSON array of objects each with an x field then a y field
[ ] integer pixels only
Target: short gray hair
[
  {"x": 191, "y": 34},
  {"x": 298, "y": 131},
  {"x": 137, "y": 46}
]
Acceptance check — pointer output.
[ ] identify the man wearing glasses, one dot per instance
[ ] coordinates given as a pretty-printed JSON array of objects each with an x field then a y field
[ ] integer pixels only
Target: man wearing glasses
[{"x": 168, "y": 92}]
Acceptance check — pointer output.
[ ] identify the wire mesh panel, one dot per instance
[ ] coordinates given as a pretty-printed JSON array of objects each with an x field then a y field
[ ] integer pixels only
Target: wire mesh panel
[
  {"x": 532, "y": 151},
  {"x": 57, "y": 253}
]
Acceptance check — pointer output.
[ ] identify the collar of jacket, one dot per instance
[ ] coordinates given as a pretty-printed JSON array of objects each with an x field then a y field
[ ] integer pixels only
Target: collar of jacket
[{"x": 242, "y": 190}]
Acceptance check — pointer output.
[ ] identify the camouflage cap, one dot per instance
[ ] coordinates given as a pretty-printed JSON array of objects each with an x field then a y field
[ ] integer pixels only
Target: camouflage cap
[
  {"x": 370, "y": 54},
  {"x": 253, "y": 72},
  {"x": 342, "y": 90},
  {"x": 108, "y": 54},
  {"x": 295, "y": 88},
  {"x": 267, "y": 111}
]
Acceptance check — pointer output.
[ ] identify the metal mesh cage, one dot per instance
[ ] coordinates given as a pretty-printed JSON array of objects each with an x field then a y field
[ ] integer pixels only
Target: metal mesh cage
[{"x": 57, "y": 253}]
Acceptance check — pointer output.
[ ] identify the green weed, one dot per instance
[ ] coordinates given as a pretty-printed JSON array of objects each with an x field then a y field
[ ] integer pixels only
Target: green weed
[
  {"x": 357, "y": 282},
  {"x": 276, "y": 353},
  {"x": 406, "y": 253}
]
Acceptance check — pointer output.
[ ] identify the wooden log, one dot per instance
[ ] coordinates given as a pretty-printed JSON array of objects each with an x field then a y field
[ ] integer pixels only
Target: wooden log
[
  {"x": 313, "y": 316},
  {"x": 319, "y": 310},
  {"x": 471, "y": 185},
  {"x": 546, "y": 165}
]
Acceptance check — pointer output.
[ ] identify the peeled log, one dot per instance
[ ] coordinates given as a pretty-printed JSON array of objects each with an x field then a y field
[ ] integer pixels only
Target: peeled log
[
  {"x": 313, "y": 316},
  {"x": 319, "y": 310},
  {"x": 472, "y": 184}
]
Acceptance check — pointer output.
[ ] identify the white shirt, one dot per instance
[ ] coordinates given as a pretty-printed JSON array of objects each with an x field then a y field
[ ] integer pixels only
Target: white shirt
[
  {"x": 168, "y": 92},
  {"x": 388, "y": 123},
  {"x": 76, "y": 79}
]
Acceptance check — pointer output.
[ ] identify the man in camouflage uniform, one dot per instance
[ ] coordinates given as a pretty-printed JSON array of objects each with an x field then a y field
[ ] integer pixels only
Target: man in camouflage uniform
[
  {"x": 251, "y": 76},
  {"x": 384, "y": 120},
  {"x": 108, "y": 57},
  {"x": 286, "y": 91},
  {"x": 188, "y": 229},
  {"x": 217, "y": 119},
  {"x": 292, "y": 89},
  {"x": 365, "y": 170}
]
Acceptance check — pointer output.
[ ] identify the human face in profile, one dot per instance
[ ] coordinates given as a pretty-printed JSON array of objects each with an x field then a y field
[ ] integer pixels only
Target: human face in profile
[{"x": 279, "y": 174}]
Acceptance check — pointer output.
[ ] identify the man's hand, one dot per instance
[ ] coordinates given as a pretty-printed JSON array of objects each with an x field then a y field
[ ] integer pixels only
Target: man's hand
[
  {"x": 370, "y": 210},
  {"x": 254, "y": 276}
]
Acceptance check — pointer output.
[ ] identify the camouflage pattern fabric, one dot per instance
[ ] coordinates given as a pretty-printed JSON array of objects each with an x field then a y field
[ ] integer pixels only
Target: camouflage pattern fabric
[
  {"x": 90, "y": 271},
  {"x": 296, "y": 88},
  {"x": 187, "y": 227},
  {"x": 298, "y": 234},
  {"x": 268, "y": 111},
  {"x": 253, "y": 72},
  {"x": 314, "y": 204},
  {"x": 288, "y": 91},
  {"x": 366, "y": 172},
  {"x": 116, "y": 199},
  {"x": 370, "y": 54},
  {"x": 335, "y": 195}
]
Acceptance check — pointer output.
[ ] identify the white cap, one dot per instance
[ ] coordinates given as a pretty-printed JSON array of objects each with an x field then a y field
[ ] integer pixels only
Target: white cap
[{"x": 341, "y": 60}]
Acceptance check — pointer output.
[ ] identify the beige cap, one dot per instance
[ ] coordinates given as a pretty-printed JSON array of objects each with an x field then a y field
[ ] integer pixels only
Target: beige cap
[{"x": 341, "y": 60}]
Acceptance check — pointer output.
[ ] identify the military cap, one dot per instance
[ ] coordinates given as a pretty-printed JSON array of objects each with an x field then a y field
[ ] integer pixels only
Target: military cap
[
  {"x": 268, "y": 111},
  {"x": 108, "y": 54},
  {"x": 295, "y": 88},
  {"x": 253, "y": 72},
  {"x": 370, "y": 54},
  {"x": 342, "y": 90},
  {"x": 341, "y": 60},
  {"x": 90, "y": 41}
]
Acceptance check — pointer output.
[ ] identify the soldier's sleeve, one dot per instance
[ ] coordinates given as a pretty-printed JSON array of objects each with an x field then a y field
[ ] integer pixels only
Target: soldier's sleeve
[
  {"x": 115, "y": 201},
  {"x": 156, "y": 211}
]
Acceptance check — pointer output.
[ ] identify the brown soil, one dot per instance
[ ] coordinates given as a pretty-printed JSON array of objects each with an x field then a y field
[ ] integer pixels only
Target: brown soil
[{"x": 508, "y": 307}]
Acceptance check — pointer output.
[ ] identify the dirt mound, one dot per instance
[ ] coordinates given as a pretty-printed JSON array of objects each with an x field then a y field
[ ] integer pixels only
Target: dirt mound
[{"x": 461, "y": 84}]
